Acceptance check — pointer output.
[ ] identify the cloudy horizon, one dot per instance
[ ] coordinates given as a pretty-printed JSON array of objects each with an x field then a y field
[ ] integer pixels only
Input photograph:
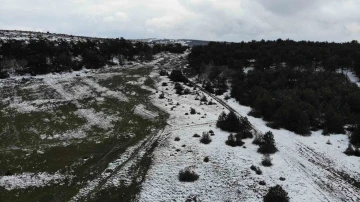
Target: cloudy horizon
[{"x": 226, "y": 20}]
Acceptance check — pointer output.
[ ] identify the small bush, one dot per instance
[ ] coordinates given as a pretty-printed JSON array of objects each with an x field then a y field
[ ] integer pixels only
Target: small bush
[
  {"x": 357, "y": 152},
  {"x": 350, "y": 150},
  {"x": 196, "y": 135},
  {"x": 262, "y": 183},
  {"x": 227, "y": 97},
  {"x": 187, "y": 175},
  {"x": 177, "y": 76},
  {"x": 211, "y": 131},
  {"x": 205, "y": 138},
  {"x": 203, "y": 99},
  {"x": 193, "y": 198},
  {"x": 206, "y": 159},
  {"x": 162, "y": 96},
  {"x": 267, "y": 149},
  {"x": 187, "y": 91},
  {"x": 177, "y": 139},
  {"x": 192, "y": 111},
  {"x": 276, "y": 194},
  {"x": 258, "y": 140},
  {"x": 164, "y": 84},
  {"x": 258, "y": 171},
  {"x": 253, "y": 168},
  {"x": 282, "y": 179},
  {"x": 231, "y": 141},
  {"x": 266, "y": 161},
  {"x": 269, "y": 144},
  {"x": 328, "y": 142},
  {"x": 163, "y": 73}
]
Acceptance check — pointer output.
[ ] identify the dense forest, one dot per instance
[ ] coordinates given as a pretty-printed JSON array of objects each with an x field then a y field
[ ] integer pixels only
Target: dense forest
[
  {"x": 299, "y": 86},
  {"x": 41, "y": 56}
]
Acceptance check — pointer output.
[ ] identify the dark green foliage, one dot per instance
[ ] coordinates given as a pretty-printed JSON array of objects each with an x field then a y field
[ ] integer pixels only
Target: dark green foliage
[
  {"x": 187, "y": 91},
  {"x": 268, "y": 146},
  {"x": 355, "y": 135},
  {"x": 177, "y": 76},
  {"x": 205, "y": 138},
  {"x": 187, "y": 175},
  {"x": 162, "y": 96},
  {"x": 203, "y": 99},
  {"x": 40, "y": 56},
  {"x": 206, "y": 159},
  {"x": 291, "y": 94},
  {"x": 276, "y": 194},
  {"x": 163, "y": 72},
  {"x": 349, "y": 150},
  {"x": 266, "y": 161},
  {"x": 232, "y": 123}
]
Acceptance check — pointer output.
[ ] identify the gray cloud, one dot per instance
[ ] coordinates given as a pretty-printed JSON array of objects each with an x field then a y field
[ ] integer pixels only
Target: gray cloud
[{"x": 231, "y": 20}]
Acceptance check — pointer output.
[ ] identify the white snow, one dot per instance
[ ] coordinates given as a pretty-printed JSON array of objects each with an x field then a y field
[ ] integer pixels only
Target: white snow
[
  {"x": 312, "y": 168},
  {"x": 25, "y": 180}
]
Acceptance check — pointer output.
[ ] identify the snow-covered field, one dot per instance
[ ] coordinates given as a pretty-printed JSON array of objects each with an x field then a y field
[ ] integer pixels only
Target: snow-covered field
[
  {"x": 313, "y": 170},
  {"x": 91, "y": 135}
]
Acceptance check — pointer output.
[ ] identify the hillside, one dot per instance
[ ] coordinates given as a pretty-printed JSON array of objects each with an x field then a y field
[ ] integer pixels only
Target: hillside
[{"x": 125, "y": 128}]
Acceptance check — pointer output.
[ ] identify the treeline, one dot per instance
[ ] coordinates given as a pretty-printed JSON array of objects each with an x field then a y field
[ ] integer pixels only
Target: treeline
[
  {"x": 293, "y": 85},
  {"x": 270, "y": 54},
  {"x": 41, "y": 56}
]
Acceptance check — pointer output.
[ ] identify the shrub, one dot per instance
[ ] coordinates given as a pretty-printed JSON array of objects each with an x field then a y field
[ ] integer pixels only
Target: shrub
[
  {"x": 177, "y": 76},
  {"x": 227, "y": 97},
  {"x": 187, "y": 91},
  {"x": 328, "y": 142},
  {"x": 177, "y": 139},
  {"x": 355, "y": 135},
  {"x": 253, "y": 168},
  {"x": 266, "y": 161},
  {"x": 206, "y": 159},
  {"x": 232, "y": 123},
  {"x": 205, "y": 138},
  {"x": 163, "y": 73},
  {"x": 211, "y": 131},
  {"x": 262, "y": 183},
  {"x": 282, "y": 178},
  {"x": 269, "y": 144},
  {"x": 192, "y": 111},
  {"x": 357, "y": 152},
  {"x": 162, "y": 96},
  {"x": 203, "y": 99},
  {"x": 258, "y": 140},
  {"x": 196, "y": 135},
  {"x": 276, "y": 194},
  {"x": 164, "y": 84},
  {"x": 239, "y": 141},
  {"x": 193, "y": 198},
  {"x": 258, "y": 171},
  {"x": 231, "y": 141},
  {"x": 187, "y": 175}
]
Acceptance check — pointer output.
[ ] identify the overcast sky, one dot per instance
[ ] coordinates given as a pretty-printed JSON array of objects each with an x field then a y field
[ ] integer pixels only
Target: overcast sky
[{"x": 222, "y": 20}]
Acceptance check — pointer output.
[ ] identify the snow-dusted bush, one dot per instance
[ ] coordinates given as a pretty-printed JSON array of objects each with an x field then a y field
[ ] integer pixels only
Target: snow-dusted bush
[
  {"x": 162, "y": 96},
  {"x": 266, "y": 161},
  {"x": 196, "y": 135},
  {"x": 188, "y": 175},
  {"x": 163, "y": 72},
  {"x": 205, "y": 138},
  {"x": 269, "y": 146},
  {"x": 192, "y": 111},
  {"x": 231, "y": 141},
  {"x": 276, "y": 194},
  {"x": 203, "y": 99},
  {"x": 206, "y": 159},
  {"x": 187, "y": 91}
]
